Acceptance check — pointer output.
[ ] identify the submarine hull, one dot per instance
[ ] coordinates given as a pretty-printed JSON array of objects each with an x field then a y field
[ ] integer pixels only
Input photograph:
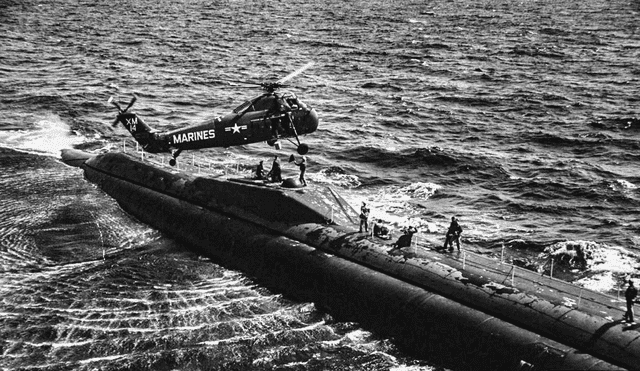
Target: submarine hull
[{"x": 297, "y": 255}]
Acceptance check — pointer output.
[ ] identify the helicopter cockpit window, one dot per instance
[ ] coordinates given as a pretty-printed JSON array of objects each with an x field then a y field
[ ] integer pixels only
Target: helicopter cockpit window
[
  {"x": 243, "y": 106},
  {"x": 295, "y": 103},
  {"x": 259, "y": 103},
  {"x": 248, "y": 104}
]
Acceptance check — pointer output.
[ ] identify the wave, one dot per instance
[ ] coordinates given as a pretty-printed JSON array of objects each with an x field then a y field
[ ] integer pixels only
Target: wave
[
  {"x": 393, "y": 159},
  {"x": 537, "y": 51},
  {"x": 559, "y": 140},
  {"x": 472, "y": 101}
]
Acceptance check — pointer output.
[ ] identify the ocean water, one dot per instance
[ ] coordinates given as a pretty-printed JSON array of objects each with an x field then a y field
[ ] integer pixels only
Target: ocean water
[{"x": 519, "y": 117}]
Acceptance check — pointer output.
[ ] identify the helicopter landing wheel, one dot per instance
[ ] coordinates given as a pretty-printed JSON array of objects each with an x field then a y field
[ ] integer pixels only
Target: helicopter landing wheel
[
  {"x": 174, "y": 155},
  {"x": 272, "y": 142},
  {"x": 303, "y": 149}
]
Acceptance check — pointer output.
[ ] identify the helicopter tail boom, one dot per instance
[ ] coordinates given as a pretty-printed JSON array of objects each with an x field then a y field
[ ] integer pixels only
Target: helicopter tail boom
[{"x": 143, "y": 133}]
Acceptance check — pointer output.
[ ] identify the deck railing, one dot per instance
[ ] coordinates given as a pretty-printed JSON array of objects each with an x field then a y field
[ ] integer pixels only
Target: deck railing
[
  {"x": 187, "y": 162},
  {"x": 522, "y": 279}
]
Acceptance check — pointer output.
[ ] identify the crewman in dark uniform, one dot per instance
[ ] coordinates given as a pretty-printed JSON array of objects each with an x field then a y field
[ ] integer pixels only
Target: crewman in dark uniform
[
  {"x": 630, "y": 295},
  {"x": 364, "y": 217},
  {"x": 260, "y": 171},
  {"x": 282, "y": 117},
  {"x": 275, "y": 173},
  {"x": 406, "y": 239},
  {"x": 453, "y": 234},
  {"x": 380, "y": 231}
]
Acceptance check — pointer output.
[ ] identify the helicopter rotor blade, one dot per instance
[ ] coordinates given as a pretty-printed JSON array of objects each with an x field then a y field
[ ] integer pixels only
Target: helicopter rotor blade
[
  {"x": 116, "y": 121},
  {"x": 235, "y": 83},
  {"x": 295, "y": 73},
  {"x": 133, "y": 100},
  {"x": 347, "y": 82},
  {"x": 236, "y": 86},
  {"x": 114, "y": 103}
]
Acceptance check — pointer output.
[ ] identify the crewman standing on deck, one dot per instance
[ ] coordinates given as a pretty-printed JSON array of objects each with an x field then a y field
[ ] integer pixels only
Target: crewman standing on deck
[
  {"x": 260, "y": 171},
  {"x": 364, "y": 217},
  {"x": 630, "y": 295},
  {"x": 303, "y": 168},
  {"x": 453, "y": 234}
]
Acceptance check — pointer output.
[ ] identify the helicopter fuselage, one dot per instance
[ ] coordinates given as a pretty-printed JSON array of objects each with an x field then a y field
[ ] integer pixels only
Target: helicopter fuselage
[{"x": 268, "y": 117}]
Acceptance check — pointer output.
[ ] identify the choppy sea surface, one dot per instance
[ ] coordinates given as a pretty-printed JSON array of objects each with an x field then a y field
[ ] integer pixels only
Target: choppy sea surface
[{"x": 519, "y": 117}]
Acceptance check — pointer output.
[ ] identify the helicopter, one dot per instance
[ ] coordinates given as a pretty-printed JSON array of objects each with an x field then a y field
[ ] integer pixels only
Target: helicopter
[{"x": 268, "y": 117}]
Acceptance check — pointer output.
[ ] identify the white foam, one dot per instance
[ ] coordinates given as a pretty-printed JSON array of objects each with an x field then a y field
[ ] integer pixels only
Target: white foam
[
  {"x": 47, "y": 136},
  {"x": 626, "y": 185},
  {"x": 100, "y": 359},
  {"x": 602, "y": 282},
  {"x": 411, "y": 368},
  {"x": 605, "y": 264}
]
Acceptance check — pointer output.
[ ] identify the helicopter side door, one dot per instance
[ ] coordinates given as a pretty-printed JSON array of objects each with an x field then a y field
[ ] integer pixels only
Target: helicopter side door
[
  {"x": 261, "y": 129},
  {"x": 249, "y": 128}
]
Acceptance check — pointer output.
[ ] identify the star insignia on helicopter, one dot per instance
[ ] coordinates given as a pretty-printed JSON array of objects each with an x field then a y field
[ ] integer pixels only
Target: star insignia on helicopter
[{"x": 236, "y": 128}]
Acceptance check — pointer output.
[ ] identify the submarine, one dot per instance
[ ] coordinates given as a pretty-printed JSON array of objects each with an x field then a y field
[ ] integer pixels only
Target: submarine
[{"x": 464, "y": 312}]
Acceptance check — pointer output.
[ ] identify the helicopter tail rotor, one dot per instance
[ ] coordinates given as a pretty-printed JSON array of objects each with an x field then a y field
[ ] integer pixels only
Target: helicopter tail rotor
[
  {"x": 133, "y": 100},
  {"x": 111, "y": 101},
  {"x": 120, "y": 110}
]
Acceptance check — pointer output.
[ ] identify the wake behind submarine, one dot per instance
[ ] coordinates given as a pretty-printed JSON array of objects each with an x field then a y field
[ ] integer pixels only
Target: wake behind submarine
[{"x": 304, "y": 243}]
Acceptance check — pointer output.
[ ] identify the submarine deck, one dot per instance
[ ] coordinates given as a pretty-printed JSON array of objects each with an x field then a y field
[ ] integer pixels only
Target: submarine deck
[
  {"x": 552, "y": 289},
  {"x": 314, "y": 223}
]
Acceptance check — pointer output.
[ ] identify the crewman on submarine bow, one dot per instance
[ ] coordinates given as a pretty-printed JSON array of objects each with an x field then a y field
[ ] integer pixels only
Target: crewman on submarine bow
[
  {"x": 406, "y": 239},
  {"x": 260, "y": 171},
  {"x": 275, "y": 174},
  {"x": 303, "y": 167},
  {"x": 364, "y": 217},
  {"x": 453, "y": 234},
  {"x": 380, "y": 231},
  {"x": 631, "y": 294}
]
